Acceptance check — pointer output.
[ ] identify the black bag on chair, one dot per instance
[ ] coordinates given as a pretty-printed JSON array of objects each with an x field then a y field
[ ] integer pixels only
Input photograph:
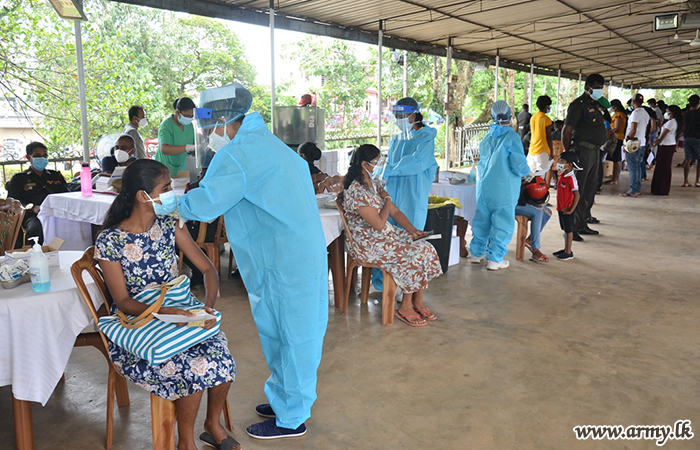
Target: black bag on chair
[{"x": 440, "y": 221}]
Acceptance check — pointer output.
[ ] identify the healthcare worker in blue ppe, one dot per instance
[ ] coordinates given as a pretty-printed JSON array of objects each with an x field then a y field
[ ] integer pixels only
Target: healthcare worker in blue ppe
[
  {"x": 265, "y": 193},
  {"x": 410, "y": 167},
  {"x": 501, "y": 167}
]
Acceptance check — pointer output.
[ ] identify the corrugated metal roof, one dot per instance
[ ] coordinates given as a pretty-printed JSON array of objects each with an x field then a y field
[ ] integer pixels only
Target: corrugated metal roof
[{"x": 612, "y": 37}]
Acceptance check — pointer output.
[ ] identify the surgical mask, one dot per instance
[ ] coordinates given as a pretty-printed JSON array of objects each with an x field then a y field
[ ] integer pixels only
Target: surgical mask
[
  {"x": 378, "y": 170},
  {"x": 121, "y": 156},
  {"x": 217, "y": 142},
  {"x": 404, "y": 124},
  {"x": 561, "y": 167},
  {"x": 143, "y": 122},
  {"x": 168, "y": 203},
  {"x": 40, "y": 163},
  {"x": 667, "y": 116},
  {"x": 596, "y": 94},
  {"x": 184, "y": 120},
  {"x": 630, "y": 108}
]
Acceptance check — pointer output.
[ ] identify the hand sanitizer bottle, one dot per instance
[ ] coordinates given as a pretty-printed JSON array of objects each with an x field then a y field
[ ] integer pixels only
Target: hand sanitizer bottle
[{"x": 39, "y": 268}]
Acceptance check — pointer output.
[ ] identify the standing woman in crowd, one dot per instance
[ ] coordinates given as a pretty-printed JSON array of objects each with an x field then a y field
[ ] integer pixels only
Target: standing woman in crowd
[
  {"x": 667, "y": 140},
  {"x": 176, "y": 136},
  {"x": 619, "y": 122}
]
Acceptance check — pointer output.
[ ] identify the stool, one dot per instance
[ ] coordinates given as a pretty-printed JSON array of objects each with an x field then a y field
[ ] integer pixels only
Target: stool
[{"x": 521, "y": 236}]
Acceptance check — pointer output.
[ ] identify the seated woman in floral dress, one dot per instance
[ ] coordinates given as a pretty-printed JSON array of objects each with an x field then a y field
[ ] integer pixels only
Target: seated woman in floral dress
[
  {"x": 136, "y": 250},
  {"x": 411, "y": 263}
]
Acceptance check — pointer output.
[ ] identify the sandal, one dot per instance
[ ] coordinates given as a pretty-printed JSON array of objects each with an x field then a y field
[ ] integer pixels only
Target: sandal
[
  {"x": 541, "y": 258},
  {"x": 611, "y": 182},
  {"x": 228, "y": 443},
  {"x": 425, "y": 314},
  {"x": 528, "y": 245},
  {"x": 686, "y": 185},
  {"x": 405, "y": 319}
]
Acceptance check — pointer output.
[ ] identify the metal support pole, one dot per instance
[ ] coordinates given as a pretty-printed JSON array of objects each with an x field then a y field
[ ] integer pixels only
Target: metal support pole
[
  {"x": 405, "y": 73},
  {"x": 631, "y": 90},
  {"x": 272, "y": 63},
  {"x": 448, "y": 75},
  {"x": 558, "y": 87},
  {"x": 578, "y": 86},
  {"x": 622, "y": 90},
  {"x": 379, "y": 85},
  {"x": 610, "y": 89},
  {"x": 532, "y": 81},
  {"x": 81, "y": 90},
  {"x": 495, "y": 89}
]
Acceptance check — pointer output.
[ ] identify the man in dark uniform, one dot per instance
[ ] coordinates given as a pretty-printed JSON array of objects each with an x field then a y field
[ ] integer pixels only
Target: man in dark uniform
[
  {"x": 33, "y": 185},
  {"x": 524, "y": 125},
  {"x": 584, "y": 133}
]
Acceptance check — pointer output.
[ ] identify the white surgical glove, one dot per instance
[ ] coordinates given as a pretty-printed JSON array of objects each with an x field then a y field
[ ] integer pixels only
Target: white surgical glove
[{"x": 189, "y": 148}]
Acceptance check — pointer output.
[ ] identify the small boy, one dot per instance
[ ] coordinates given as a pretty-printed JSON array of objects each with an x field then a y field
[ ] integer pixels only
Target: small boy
[{"x": 567, "y": 199}]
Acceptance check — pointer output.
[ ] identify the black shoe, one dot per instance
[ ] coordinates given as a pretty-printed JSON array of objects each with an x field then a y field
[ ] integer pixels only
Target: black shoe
[
  {"x": 565, "y": 256},
  {"x": 577, "y": 237},
  {"x": 559, "y": 252},
  {"x": 265, "y": 410},
  {"x": 592, "y": 220},
  {"x": 588, "y": 231}
]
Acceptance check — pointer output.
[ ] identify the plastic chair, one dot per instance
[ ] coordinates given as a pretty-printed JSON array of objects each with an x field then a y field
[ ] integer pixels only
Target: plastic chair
[
  {"x": 163, "y": 418},
  {"x": 521, "y": 236},
  {"x": 11, "y": 216},
  {"x": 317, "y": 179},
  {"x": 389, "y": 288},
  {"x": 331, "y": 184},
  {"x": 211, "y": 248}
]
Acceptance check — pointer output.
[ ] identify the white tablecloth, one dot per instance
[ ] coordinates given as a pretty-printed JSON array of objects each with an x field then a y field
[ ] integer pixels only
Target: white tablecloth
[
  {"x": 37, "y": 331},
  {"x": 332, "y": 224},
  {"x": 465, "y": 193}
]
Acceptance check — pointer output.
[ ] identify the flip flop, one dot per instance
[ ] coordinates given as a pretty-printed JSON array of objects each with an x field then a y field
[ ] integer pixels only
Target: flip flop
[
  {"x": 228, "y": 443},
  {"x": 685, "y": 185},
  {"x": 405, "y": 320},
  {"x": 528, "y": 246},
  {"x": 425, "y": 314},
  {"x": 627, "y": 194},
  {"x": 542, "y": 258}
]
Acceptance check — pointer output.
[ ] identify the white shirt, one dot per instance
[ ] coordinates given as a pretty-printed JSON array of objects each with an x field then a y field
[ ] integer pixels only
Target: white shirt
[
  {"x": 138, "y": 140},
  {"x": 670, "y": 138},
  {"x": 641, "y": 118}
]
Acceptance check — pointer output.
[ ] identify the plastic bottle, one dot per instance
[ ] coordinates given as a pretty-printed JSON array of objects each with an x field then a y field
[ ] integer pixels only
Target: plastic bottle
[
  {"x": 39, "y": 268},
  {"x": 86, "y": 180}
]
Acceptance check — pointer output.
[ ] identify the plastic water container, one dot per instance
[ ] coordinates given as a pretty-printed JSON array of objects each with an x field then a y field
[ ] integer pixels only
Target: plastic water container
[
  {"x": 86, "y": 180},
  {"x": 39, "y": 268}
]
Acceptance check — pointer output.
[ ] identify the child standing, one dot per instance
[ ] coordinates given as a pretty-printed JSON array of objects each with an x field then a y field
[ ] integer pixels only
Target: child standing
[{"x": 567, "y": 199}]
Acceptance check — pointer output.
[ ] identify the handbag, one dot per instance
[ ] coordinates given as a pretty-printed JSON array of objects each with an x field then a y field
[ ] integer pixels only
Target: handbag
[
  {"x": 610, "y": 145},
  {"x": 151, "y": 339}
]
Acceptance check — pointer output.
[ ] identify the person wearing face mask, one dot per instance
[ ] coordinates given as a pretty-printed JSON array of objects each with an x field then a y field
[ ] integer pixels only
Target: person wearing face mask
[
  {"x": 501, "y": 167},
  {"x": 137, "y": 119},
  {"x": 541, "y": 146},
  {"x": 265, "y": 193},
  {"x": 584, "y": 134},
  {"x": 410, "y": 168},
  {"x": 667, "y": 140},
  {"x": 32, "y": 186},
  {"x": 176, "y": 136},
  {"x": 122, "y": 154}
]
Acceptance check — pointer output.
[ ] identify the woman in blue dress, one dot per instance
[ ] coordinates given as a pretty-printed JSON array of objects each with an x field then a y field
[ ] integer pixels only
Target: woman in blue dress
[{"x": 136, "y": 250}]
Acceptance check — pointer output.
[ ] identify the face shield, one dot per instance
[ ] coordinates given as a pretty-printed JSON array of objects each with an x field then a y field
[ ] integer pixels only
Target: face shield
[
  {"x": 220, "y": 107},
  {"x": 403, "y": 117}
]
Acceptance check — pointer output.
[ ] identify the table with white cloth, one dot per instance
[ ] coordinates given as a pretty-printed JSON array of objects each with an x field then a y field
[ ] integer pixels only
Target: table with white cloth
[
  {"x": 466, "y": 194},
  {"x": 335, "y": 241},
  {"x": 37, "y": 335}
]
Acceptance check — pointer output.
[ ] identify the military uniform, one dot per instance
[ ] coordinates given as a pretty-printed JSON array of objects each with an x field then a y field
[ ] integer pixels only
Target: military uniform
[
  {"x": 588, "y": 137},
  {"x": 29, "y": 187}
]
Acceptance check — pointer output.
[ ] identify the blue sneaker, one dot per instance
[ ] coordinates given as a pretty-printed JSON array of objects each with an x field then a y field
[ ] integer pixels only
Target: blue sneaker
[
  {"x": 265, "y": 410},
  {"x": 269, "y": 430},
  {"x": 565, "y": 256}
]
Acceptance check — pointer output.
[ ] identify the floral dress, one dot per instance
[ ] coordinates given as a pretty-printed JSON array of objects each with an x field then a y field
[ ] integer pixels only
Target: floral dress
[
  {"x": 412, "y": 264},
  {"x": 149, "y": 259}
]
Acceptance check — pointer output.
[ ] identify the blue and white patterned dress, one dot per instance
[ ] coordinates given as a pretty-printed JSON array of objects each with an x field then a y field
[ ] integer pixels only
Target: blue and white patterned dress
[{"x": 149, "y": 259}]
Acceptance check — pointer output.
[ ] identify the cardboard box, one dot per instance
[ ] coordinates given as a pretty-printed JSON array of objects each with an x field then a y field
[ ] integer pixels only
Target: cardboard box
[
  {"x": 454, "y": 251},
  {"x": 50, "y": 250}
]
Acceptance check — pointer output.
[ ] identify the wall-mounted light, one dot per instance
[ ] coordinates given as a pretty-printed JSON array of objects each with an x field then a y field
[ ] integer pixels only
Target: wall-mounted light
[
  {"x": 666, "y": 22},
  {"x": 69, "y": 9}
]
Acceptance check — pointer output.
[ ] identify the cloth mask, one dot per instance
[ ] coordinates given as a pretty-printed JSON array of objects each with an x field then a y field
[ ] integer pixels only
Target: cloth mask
[
  {"x": 121, "y": 156},
  {"x": 667, "y": 116},
  {"x": 561, "y": 167},
  {"x": 168, "y": 203},
  {"x": 143, "y": 122},
  {"x": 217, "y": 142},
  {"x": 404, "y": 124},
  {"x": 596, "y": 94},
  {"x": 184, "y": 120},
  {"x": 40, "y": 163}
]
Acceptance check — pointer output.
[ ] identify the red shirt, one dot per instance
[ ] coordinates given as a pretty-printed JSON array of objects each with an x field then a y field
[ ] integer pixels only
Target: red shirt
[{"x": 566, "y": 185}]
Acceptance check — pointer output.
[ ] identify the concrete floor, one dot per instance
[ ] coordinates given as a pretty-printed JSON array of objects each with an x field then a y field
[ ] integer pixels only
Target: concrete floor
[{"x": 516, "y": 360}]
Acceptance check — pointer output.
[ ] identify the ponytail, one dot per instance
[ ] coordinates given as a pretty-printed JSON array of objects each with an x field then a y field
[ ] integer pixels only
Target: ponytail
[
  {"x": 365, "y": 152},
  {"x": 140, "y": 175}
]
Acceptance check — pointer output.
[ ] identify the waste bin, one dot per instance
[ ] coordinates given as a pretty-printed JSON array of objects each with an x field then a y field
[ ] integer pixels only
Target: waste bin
[{"x": 441, "y": 216}]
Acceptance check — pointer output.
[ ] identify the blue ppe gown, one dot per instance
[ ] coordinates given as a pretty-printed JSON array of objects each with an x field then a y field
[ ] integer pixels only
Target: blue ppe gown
[
  {"x": 409, "y": 172},
  {"x": 501, "y": 166},
  {"x": 265, "y": 193}
]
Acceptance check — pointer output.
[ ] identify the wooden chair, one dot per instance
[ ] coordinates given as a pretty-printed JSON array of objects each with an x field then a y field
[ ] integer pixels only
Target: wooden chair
[
  {"x": 521, "y": 236},
  {"x": 389, "y": 290},
  {"x": 211, "y": 248},
  {"x": 331, "y": 184},
  {"x": 317, "y": 179},
  {"x": 163, "y": 418},
  {"x": 11, "y": 216}
]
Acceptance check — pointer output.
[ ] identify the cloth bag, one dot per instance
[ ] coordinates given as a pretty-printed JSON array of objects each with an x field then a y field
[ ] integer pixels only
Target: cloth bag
[{"x": 154, "y": 340}]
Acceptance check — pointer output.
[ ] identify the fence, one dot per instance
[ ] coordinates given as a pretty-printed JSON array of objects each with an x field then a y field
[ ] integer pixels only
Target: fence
[
  {"x": 343, "y": 140},
  {"x": 467, "y": 139},
  {"x": 67, "y": 164}
]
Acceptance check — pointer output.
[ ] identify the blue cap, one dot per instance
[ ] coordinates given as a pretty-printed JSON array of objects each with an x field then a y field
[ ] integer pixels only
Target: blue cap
[{"x": 500, "y": 112}]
